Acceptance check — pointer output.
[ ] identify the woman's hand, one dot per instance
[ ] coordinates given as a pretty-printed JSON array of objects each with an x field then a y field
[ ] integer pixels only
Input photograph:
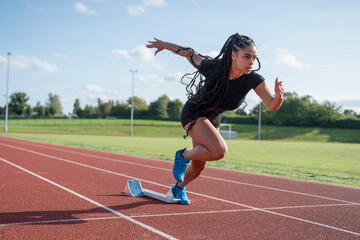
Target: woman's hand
[
  {"x": 279, "y": 89},
  {"x": 272, "y": 103},
  {"x": 193, "y": 57},
  {"x": 156, "y": 44}
]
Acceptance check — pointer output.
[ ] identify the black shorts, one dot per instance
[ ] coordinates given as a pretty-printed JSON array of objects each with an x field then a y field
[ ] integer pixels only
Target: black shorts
[{"x": 187, "y": 116}]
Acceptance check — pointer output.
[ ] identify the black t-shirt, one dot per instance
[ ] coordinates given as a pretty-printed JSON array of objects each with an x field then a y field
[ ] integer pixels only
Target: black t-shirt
[
  {"x": 238, "y": 88},
  {"x": 234, "y": 97}
]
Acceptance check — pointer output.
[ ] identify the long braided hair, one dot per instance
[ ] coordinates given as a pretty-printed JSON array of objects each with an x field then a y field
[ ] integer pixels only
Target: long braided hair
[{"x": 210, "y": 92}]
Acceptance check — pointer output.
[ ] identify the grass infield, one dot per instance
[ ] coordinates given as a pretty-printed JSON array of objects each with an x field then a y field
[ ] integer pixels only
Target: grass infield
[
  {"x": 336, "y": 163},
  {"x": 173, "y": 129}
]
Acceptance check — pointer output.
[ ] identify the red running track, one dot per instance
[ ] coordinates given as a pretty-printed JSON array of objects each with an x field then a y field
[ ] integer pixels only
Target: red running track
[{"x": 55, "y": 192}]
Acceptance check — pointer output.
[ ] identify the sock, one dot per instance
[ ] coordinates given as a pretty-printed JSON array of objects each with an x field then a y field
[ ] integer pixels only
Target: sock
[
  {"x": 181, "y": 154},
  {"x": 176, "y": 185}
]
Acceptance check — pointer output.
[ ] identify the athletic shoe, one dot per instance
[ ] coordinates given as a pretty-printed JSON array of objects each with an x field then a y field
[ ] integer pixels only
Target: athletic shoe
[
  {"x": 180, "y": 165},
  {"x": 180, "y": 193}
]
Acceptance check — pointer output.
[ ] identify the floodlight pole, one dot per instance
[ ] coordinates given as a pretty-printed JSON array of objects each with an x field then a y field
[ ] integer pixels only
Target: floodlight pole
[
  {"x": 132, "y": 101},
  {"x": 7, "y": 94},
  {"x": 259, "y": 125}
]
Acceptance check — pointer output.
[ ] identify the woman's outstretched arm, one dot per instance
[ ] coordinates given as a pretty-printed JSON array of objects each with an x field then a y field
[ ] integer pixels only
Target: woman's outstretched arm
[
  {"x": 271, "y": 102},
  {"x": 193, "y": 57}
]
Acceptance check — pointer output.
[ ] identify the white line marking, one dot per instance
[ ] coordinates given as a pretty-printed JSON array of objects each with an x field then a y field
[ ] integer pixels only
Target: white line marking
[
  {"x": 278, "y": 214},
  {"x": 281, "y": 190},
  {"x": 238, "y": 210},
  {"x": 199, "y": 194},
  {"x": 93, "y": 202},
  {"x": 170, "y": 214},
  {"x": 203, "y": 176}
]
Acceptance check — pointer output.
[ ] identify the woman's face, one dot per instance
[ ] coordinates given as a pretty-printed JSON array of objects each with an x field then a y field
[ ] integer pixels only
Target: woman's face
[{"x": 244, "y": 59}]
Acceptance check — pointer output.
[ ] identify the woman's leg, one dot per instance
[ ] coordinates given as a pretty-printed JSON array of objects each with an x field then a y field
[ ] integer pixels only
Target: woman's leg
[
  {"x": 208, "y": 145},
  {"x": 193, "y": 170}
]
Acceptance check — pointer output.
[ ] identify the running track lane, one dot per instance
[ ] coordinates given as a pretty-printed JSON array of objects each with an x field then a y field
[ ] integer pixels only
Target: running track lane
[{"x": 236, "y": 206}]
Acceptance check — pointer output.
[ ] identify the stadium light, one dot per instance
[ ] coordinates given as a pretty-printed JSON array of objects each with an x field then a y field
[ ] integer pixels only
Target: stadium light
[
  {"x": 132, "y": 101},
  {"x": 7, "y": 94}
]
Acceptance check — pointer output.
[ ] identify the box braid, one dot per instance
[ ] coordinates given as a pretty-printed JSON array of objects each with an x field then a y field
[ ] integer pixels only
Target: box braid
[{"x": 211, "y": 91}]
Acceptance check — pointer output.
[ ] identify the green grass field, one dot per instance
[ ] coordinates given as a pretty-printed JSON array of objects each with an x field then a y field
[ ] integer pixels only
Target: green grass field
[
  {"x": 174, "y": 129},
  {"x": 336, "y": 163}
]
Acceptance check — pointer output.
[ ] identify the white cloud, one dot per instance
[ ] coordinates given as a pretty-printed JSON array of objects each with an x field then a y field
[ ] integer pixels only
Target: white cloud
[
  {"x": 60, "y": 55},
  {"x": 155, "y": 3},
  {"x": 140, "y": 10},
  {"x": 149, "y": 78},
  {"x": 140, "y": 53},
  {"x": 174, "y": 77},
  {"x": 155, "y": 79},
  {"x": 83, "y": 9},
  {"x": 20, "y": 62},
  {"x": 96, "y": 90},
  {"x": 93, "y": 88},
  {"x": 283, "y": 57},
  {"x": 89, "y": 94},
  {"x": 137, "y": 10},
  {"x": 212, "y": 54},
  {"x": 155, "y": 65}
]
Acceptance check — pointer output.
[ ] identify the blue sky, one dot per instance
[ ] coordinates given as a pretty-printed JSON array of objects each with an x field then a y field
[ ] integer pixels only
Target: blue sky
[{"x": 85, "y": 49}]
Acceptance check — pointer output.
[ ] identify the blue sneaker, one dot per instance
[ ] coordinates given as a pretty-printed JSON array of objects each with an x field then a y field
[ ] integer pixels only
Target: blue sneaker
[
  {"x": 180, "y": 165},
  {"x": 180, "y": 193}
]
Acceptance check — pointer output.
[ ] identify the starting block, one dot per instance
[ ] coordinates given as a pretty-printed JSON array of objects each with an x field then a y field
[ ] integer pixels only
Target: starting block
[{"x": 134, "y": 189}]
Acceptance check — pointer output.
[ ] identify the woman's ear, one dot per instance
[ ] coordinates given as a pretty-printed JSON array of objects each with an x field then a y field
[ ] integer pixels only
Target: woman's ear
[{"x": 233, "y": 55}]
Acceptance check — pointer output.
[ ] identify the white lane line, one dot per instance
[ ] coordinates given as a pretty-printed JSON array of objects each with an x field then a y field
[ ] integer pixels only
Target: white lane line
[
  {"x": 199, "y": 194},
  {"x": 202, "y": 176},
  {"x": 279, "y": 214},
  {"x": 83, "y": 165},
  {"x": 238, "y": 210},
  {"x": 171, "y": 214},
  {"x": 93, "y": 202},
  {"x": 281, "y": 190}
]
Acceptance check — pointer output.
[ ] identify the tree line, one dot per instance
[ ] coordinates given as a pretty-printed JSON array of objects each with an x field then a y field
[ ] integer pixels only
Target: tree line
[
  {"x": 161, "y": 109},
  {"x": 295, "y": 111},
  {"x": 302, "y": 111},
  {"x": 19, "y": 107}
]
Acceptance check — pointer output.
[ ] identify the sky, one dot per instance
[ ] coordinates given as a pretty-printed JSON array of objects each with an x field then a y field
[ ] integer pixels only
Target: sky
[{"x": 86, "y": 49}]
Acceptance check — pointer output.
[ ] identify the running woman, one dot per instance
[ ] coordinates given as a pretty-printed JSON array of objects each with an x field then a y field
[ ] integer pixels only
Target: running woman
[{"x": 223, "y": 83}]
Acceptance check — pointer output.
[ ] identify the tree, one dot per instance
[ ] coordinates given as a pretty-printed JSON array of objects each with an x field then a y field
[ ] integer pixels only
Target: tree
[
  {"x": 300, "y": 111},
  {"x": 90, "y": 112},
  {"x": 140, "y": 107},
  {"x": 77, "y": 109},
  {"x": 53, "y": 105},
  {"x": 18, "y": 103},
  {"x": 349, "y": 113},
  {"x": 28, "y": 111},
  {"x": 105, "y": 108},
  {"x": 40, "y": 110},
  {"x": 240, "y": 112},
  {"x": 174, "y": 109},
  {"x": 158, "y": 108},
  {"x": 120, "y": 110}
]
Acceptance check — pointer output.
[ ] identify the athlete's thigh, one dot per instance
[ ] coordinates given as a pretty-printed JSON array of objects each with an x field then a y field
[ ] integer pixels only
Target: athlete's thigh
[{"x": 204, "y": 133}]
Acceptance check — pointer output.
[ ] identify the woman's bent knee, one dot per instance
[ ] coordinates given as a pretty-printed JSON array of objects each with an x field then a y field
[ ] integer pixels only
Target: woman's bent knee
[{"x": 219, "y": 153}]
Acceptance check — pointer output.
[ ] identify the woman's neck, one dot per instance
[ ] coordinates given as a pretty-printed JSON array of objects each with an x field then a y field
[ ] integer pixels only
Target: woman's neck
[{"x": 234, "y": 74}]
